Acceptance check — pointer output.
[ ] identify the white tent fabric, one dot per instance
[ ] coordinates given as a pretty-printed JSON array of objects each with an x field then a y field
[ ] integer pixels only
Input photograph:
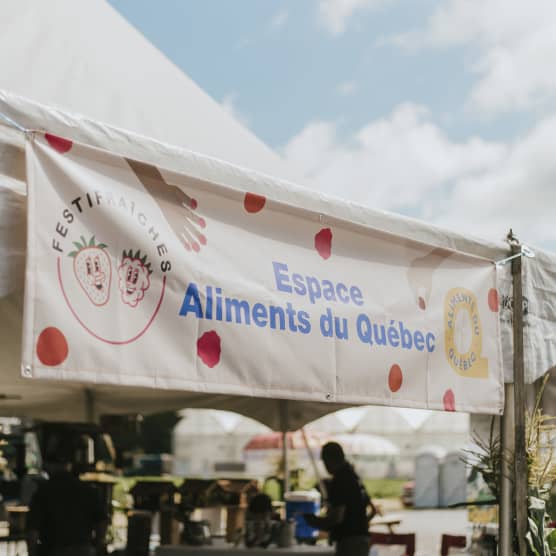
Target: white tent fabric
[
  {"x": 46, "y": 402},
  {"x": 446, "y": 423},
  {"x": 366, "y": 445},
  {"x": 330, "y": 424},
  {"x": 383, "y": 420},
  {"x": 86, "y": 58},
  {"x": 122, "y": 80},
  {"x": 205, "y": 437},
  {"x": 199, "y": 422}
]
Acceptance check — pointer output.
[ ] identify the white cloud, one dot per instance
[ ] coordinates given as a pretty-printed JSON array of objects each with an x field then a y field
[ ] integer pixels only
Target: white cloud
[
  {"x": 229, "y": 103},
  {"x": 515, "y": 44},
  {"x": 347, "y": 88},
  {"x": 406, "y": 163},
  {"x": 390, "y": 163},
  {"x": 335, "y": 14},
  {"x": 279, "y": 19},
  {"x": 517, "y": 192}
]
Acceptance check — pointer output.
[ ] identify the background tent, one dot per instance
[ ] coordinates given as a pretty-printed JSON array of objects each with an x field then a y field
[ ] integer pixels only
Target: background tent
[
  {"x": 451, "y": 431},
  {"x": 206, "y": 441},
  {"x": 329, "y": 424}
]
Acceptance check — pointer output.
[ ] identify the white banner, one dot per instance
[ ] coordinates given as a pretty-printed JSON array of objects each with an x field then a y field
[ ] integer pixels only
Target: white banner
[{"x": 140, "y": 276}]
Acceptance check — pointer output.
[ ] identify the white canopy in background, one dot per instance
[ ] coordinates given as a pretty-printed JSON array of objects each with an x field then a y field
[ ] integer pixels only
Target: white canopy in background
[
  {"x": 125, "y": 82},
  {"x": 366, "y": 445}
]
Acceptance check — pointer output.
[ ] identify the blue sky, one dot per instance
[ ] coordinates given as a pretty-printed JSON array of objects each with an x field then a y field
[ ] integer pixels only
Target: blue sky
[{"x": 438, "y": 109}]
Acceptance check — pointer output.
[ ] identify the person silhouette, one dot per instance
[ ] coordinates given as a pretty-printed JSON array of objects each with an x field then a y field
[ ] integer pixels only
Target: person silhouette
[{"x": 346, "y": 519}]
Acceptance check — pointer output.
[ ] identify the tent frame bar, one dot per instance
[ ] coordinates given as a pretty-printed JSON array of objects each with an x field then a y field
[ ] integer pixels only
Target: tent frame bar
[
  {"x": 514, "y": 471},
  {"x": 520, "y": 457},
  {"x": 285, "y": 426},
  {"x": 507, "y": 447}
]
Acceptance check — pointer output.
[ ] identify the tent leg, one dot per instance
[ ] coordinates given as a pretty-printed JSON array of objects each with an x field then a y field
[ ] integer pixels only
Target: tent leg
[
  {"x": 520, "y": 458},
  {"x": 90, "y": 413},
  {"x": 284, "y": 426},
  {"x": 507, "y": 448}
]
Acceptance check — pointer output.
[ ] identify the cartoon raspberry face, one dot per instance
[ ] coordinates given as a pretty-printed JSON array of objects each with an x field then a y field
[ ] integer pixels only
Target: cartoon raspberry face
[
  {"x": 134, "y": 277},
  {"x": 93, "y": 270}
]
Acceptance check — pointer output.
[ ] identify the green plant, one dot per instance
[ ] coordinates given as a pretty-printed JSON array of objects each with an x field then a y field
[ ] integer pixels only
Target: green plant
[
  {"x": 487, "y": 458},
  {"x": 541, "y": 473}
]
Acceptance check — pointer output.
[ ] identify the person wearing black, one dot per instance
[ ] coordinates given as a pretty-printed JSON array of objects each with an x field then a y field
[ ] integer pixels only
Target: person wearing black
[
  {"x": 66, "y": 517},
  {"x": 346, "y": 519}
]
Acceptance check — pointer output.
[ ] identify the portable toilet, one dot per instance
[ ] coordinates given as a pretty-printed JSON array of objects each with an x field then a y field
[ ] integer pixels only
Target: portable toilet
[
  {"x": 427, "y": 477},
  {"x": 453, "y": 479}
]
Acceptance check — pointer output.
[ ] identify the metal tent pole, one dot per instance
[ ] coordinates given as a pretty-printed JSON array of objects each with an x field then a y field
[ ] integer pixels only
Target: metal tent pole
[
  {"x": 506, "y": 477},
  {"x": 90, "y": 410},
  {"x": 520, "y": 457},
  {"x": 284, "y": 426},
  {"x": 320, "y": 480}
]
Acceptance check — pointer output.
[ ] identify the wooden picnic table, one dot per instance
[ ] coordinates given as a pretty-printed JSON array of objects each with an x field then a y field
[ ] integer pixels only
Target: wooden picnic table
[
  {"x": 389, "y": 521},
  {"x": 298, "y": 550}
]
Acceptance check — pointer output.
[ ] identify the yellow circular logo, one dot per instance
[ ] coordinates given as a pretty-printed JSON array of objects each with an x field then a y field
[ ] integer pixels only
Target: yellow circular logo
[{"x": 462, "y": 326}]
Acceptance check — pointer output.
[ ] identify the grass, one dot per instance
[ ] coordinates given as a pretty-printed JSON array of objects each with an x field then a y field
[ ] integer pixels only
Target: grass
[
  {"x": 377, "y": 488},
  {"x": 384, "y": 488}
]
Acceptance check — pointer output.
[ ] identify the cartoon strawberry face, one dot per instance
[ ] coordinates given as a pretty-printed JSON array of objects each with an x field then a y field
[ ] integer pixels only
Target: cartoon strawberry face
[
  {"x": 134, "y": 277},
  {"x": 93, "y": 270}
]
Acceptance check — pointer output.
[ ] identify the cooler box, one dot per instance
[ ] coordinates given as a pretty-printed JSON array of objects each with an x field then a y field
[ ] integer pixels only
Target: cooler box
[{"x": 299, "y": 503}]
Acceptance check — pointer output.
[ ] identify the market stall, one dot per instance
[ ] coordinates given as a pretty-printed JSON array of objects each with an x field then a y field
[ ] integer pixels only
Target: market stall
[{"x": 160, "y": 278}]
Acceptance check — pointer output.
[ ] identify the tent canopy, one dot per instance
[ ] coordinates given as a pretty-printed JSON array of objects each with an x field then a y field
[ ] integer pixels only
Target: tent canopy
[
  {"x": 160, "y": 107},
  {"x": 125, "y": 81},
  {"x": 63, "y": 400},
  {"x": 86, "y": 58}
]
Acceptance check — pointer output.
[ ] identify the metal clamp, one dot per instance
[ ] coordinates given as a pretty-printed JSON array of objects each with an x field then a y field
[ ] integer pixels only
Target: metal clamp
[
  {"x": 13, "y": 123},
  {"x": 525, "y": 252}
]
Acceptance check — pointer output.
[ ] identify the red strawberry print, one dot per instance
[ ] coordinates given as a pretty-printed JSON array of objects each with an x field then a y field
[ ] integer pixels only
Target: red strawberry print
[
  {"x": 395, "y": 378},
  {"x": 52, "y": 347},
  {"x": 323, "y": 243},
  {"x": 493, "y": 300},
  {"x": 208, "y": 348},
  {"x": 254, "y": 203},
  {"x": 58, "y": 143},
  {"x": 449, "y": 401}
]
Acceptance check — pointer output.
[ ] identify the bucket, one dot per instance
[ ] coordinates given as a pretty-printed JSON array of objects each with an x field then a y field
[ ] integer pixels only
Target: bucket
[{"x": 299, "y": 503}]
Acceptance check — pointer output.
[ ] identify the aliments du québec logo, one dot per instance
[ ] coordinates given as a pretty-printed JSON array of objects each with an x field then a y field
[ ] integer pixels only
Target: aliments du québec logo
[{"x": 463, "y": 334}]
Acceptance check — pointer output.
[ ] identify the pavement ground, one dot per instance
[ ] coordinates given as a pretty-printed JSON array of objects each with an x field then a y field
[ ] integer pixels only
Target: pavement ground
[{"x": 429, "y": 525}]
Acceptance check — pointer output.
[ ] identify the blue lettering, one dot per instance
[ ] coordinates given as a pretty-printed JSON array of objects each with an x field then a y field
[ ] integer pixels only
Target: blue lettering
[
  {"x": 191, "y": 302},
  {"x": 281, "y": 277},
  {"x": 364, "y": 329},
  {"x": 419, "y": 340},
  {"x": 304, "y": 324},
  {"x": 313, "y": 287},
  {"x": 260, "y": 317},
  {"x": 300, "y": 288},
  {"x": 356, "y": 295},
  {"x": 342, "y": 288}
]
